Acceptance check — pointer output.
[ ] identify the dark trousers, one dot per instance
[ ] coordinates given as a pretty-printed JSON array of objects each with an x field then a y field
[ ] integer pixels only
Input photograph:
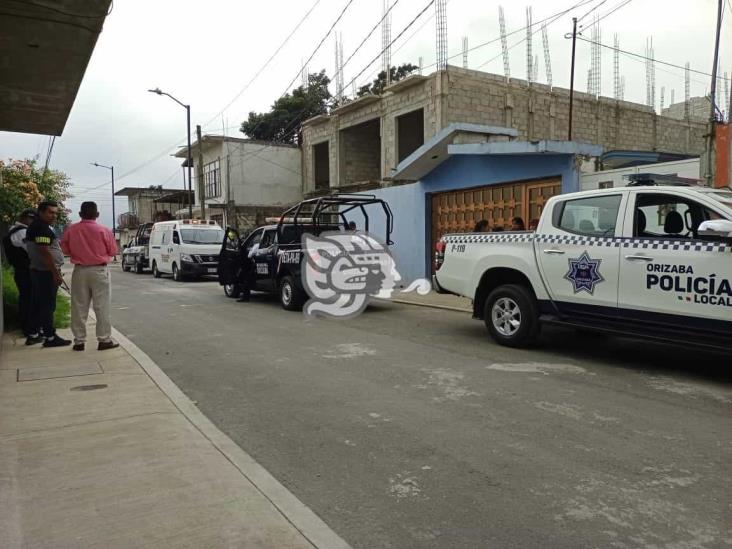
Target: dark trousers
[
  {"x": 22, "y": 279},
  {"x": 44, "y": 301}
]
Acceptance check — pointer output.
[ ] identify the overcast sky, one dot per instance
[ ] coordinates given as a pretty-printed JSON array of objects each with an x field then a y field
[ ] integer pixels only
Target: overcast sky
[{"x": 205, "y": 53}]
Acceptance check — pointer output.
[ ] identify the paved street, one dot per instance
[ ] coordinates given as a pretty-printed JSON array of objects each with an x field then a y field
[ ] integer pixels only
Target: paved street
[{"x": 408, "y": 427}]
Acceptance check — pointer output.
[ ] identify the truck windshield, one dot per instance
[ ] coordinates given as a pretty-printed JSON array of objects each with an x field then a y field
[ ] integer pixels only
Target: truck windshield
[{"x": 202, "y": 236}]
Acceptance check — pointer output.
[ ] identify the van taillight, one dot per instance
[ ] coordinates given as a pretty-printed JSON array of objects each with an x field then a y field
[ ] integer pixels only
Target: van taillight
[{"x": 439, "y": 253}]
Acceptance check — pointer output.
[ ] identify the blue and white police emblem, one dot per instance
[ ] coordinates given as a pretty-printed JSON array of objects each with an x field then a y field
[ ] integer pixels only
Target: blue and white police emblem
[{"x": 584, "y": 273}]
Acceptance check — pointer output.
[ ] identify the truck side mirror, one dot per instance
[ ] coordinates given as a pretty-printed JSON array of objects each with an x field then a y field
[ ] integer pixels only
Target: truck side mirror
[{"x": 716, "y": 229}]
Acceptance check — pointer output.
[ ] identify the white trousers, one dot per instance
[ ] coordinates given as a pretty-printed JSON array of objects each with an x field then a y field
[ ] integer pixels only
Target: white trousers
[{"x": 91, "y": 285}]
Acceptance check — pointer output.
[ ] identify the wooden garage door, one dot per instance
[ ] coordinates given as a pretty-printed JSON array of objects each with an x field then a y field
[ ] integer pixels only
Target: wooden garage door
[{"x": 459, "y": 211}]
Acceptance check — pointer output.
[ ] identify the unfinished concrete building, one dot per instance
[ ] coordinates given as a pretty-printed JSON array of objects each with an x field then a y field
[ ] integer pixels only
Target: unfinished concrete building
[{"x": 361, "y": 144}]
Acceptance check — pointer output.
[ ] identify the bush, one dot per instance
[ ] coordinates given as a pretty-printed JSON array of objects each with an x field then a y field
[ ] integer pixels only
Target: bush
[{"x": 10, "y": 304}]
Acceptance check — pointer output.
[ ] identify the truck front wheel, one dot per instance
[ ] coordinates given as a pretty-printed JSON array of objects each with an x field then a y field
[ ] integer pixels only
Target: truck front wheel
[
  {"x": 512, "y": 316},
  {"x": 291, "y": 297}
]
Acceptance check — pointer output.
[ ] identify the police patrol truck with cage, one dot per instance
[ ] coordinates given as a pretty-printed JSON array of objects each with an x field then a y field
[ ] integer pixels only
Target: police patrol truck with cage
[{"x": 649, "y": 261}]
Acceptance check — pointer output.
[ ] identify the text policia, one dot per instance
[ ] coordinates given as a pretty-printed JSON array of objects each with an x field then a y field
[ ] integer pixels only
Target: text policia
[{"x": 706, "y": 290}]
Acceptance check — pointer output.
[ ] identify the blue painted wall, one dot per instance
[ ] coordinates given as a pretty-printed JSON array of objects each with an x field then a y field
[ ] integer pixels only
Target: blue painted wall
[{"x": 410, "y": 203}]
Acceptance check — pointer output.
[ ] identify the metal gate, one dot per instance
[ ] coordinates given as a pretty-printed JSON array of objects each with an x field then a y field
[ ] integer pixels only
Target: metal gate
[{"x": 459, "y": 211}]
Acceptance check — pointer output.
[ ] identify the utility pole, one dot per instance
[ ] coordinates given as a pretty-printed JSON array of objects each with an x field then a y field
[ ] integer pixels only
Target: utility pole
[
  {"x": 199, "y": 173},
  {"x": 709, "y": 175},
  {"x": 571, "y": 78}
]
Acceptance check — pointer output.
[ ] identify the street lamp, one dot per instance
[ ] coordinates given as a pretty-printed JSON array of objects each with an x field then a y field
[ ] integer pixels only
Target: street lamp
[
  {"x": 190, "y": 158},
  {"x": 114, "y": 217}
]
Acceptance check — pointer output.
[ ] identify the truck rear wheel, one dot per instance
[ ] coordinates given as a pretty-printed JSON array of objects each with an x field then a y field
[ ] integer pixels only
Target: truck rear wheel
[
  {"x": 125, "y": 265},
  {"x": 291, "y": 297},
  {"x": 512, "y": 316},
  {"x": 138, "y": 266}
]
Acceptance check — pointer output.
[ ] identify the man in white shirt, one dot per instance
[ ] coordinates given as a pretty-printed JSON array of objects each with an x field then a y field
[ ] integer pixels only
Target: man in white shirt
[{"x": 16, "y": 251}]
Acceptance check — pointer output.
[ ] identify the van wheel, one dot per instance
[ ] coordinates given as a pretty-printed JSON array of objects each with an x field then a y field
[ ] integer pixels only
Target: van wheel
[
  {"x": 291, "y": 297},
  {"x": 156, "y": 273},
  {"x": 511, "y": 315},
  {"x": 177, "y": 276},
  {"x": 232, "y": 290},
  {"x": 125, "y": 266}
]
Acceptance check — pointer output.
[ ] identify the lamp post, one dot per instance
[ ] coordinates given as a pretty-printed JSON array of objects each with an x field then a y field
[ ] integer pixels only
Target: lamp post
[
  {"x": 114, "y": 217},
  {"x": 190, "y": 158}
]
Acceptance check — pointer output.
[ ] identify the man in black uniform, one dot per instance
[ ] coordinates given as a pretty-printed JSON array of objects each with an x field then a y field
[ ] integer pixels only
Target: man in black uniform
[
  {"x": 16, "y": 252},
  {"x": 46, "y": 258}
]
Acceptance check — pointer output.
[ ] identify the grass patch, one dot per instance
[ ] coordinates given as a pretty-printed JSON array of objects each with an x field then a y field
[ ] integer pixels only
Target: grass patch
[{"x": 62, "y": 318}]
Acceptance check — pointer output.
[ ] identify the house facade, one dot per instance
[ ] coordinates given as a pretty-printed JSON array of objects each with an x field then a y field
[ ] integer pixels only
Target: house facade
[
  {"x": 243, "y": 180},
  {"x": 459, "y": 145}
]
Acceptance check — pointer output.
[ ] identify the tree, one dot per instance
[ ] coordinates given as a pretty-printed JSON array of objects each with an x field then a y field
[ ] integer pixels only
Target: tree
[
  {"x": 282, "y": 122},
  {"x": 378, "y": 85},
  {"x": 23, "y": 185}
]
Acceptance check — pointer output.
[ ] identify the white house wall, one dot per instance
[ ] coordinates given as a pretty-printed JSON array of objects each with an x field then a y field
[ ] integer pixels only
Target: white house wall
[
  {"x": 261, "y": 174},
  {"x": 682, "y": 168}
]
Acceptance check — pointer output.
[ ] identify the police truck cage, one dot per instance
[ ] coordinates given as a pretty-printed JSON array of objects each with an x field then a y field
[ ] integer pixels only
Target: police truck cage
[{"x": 327, "y": 212}]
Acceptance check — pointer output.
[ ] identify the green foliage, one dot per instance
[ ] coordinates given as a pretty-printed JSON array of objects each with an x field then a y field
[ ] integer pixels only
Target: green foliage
[
  {"x": 377, "y": 86},
  {"x": 282, "y": 122},
  {"x": 23, "y": 185},
  {"x": 10, "y": 304}
]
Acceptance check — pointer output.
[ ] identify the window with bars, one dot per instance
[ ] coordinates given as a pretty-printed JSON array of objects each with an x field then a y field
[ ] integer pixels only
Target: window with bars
[{"x": 212, "y": 179}]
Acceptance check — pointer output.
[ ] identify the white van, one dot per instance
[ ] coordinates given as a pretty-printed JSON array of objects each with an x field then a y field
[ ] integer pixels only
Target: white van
[{"x": 185, "y": 248}]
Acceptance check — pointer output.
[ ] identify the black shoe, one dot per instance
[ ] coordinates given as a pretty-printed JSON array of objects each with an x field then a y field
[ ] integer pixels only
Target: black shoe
[
  {"x": 56, "y": 341},
  {"x": 78, "y": 347},
  {"x": 33, "y": 340},
  {"x": 104, "y": 345}
]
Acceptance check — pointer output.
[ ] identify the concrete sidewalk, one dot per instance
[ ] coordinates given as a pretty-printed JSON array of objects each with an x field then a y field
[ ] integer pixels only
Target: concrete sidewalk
[{"x": 101, "y": 449}]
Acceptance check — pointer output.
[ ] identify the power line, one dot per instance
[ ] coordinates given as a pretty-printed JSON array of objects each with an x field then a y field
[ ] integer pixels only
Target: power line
[
  {"x": 548, "y": 20},
  {"x": 633, "y": 54},
  {"x": 266, "y": 63},
  {"x": 405, "y": 29}
]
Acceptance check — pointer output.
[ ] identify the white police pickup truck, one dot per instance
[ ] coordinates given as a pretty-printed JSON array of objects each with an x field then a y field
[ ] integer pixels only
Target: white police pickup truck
[{"x": 649, "y": 261}]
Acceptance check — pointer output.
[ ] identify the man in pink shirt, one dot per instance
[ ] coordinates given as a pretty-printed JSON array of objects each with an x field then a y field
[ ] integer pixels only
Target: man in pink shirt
[{"x": 91, "y": 246}]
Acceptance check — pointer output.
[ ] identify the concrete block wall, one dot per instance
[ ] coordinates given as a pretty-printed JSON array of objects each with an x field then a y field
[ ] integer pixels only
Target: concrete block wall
[
  {"x": 537, "y": 112},
  {"x": 360, "y": 148}
]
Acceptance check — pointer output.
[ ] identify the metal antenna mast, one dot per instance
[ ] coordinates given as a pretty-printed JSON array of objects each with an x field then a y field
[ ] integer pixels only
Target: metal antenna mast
[
  {"x": 504, "y": 44},
  {"x": 595, "y": 59},
  {"x": 663, "y": 92},
  {"x": 339, "y": 81},
  {"x": 465, "y": 52},
  {"x": 386, "y": 42},
  {"x": 535, "y": 76},
  {"x": 622, "y": 88},
  {"x": 616, "y": 68},
  {"x": 547, "y": 56},
  {"x": 441, "y": 42},
  {"x": 650, "y": 74},
  {"x": 687, "y": 91},
  {"x": 529, "y": 53},
  {"x": 304, "y": 75}
]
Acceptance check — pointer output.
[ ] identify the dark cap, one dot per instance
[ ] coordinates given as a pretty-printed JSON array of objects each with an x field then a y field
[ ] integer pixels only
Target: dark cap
[{"x": 28, "y": 213}]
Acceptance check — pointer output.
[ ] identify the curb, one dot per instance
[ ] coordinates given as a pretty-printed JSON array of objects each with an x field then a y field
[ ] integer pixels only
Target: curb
[
  {"x": 430, "y": 305},
  {"x": 299, "y": 515}
]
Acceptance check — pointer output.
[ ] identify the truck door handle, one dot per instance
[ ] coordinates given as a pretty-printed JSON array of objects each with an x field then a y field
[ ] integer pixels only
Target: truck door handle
[
  {"x": 554, "y": 252},
  {"x": 638, "y": 258}
]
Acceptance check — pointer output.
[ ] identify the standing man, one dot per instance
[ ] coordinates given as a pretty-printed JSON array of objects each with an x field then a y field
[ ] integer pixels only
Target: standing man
[
  {"x": 46, "y": 259},
  {"x": 17, "y": 254},
  {"x": 91, "y": 246}
]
